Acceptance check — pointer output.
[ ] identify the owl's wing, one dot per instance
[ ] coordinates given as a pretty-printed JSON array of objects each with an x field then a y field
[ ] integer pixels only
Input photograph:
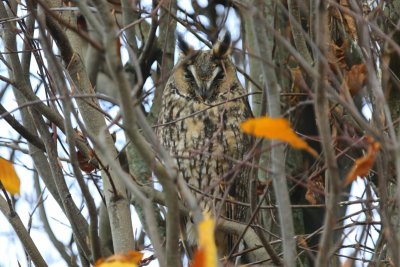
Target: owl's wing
[{"x": 248, "y": 108}]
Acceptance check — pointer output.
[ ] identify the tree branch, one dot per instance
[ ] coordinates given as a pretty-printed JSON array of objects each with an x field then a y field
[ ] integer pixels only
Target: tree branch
[
  {"x": 321, "y": 106},
  {"x": 277, "y": 153},
  {"x": 23, "y": 235}
]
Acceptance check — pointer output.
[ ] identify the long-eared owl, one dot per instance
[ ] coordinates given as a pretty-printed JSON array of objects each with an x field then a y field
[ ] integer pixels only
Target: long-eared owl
[{"x": 203, "y": 105}]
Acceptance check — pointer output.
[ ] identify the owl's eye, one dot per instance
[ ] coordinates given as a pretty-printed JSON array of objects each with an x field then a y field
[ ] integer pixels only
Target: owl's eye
[
  {"x": 220, "y": 76},
  {"x": 188, "y": 75}
]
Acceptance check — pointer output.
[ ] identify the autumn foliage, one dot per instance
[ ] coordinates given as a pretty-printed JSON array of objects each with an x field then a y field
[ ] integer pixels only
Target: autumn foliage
[
  {"x": 8, "y": 177},
  {"x": 206, "y": 254},
  {"x": 278, "y": 129},
  {"x": 363, "y": 164},
  {"x": 130, "y": 259}
]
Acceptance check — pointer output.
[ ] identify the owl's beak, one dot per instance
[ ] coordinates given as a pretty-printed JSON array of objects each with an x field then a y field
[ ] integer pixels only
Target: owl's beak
[{"x": 203, "y": 91}]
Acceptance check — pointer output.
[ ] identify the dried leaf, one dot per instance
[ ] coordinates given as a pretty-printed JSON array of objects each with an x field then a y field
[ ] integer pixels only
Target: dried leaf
[
  {"x": 310, "y": 197},
  {"x": 298, "y": 85},
  {"x": 84, "y": 163},
  {"x": 349, "y": 22},
  {"x": 336, "y": 58},
  {"x": 301, "y": 241},
  {"x": 348, "y": 263},
  {"x": 315, "y": 190},
  {"x": 356, "y": 78},
  {"x": 129, "y": 259},
  {"x": 275, "y": 128},
  {"x": 118, "y": 47},
  {"x": 206, "y": 254},
  {"x": 261, "y": 185},
  {"x": 363, "y": 164},
  {"x": 9, "y": 177}
]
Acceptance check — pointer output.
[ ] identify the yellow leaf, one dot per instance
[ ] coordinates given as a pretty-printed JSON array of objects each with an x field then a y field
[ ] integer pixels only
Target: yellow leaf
[
  {"x": 129, "y": 259},
  {"x": 9, "y": 177},
  {"x": 206, "y": 255},
  {"x": 275, "y": 128},
  {"x": 363, "y": 164},
  {"x": 117, "y": 264}
]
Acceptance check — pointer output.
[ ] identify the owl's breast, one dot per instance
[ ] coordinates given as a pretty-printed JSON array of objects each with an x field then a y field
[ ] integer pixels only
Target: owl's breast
[
  {"x": 203, "y": 133},
  {"x": 205, "y": 139}
]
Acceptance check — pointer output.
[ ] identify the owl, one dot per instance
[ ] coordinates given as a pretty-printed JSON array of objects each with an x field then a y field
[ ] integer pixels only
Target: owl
[{"x": 203, "y": 105}]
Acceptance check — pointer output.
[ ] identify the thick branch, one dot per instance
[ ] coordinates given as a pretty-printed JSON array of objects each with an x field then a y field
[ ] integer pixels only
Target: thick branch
[
  {"x": 79, "y": 227},
  {"x": 58, "y": 77},
  {"x": 117, "y": 202},
  {"x": 322, "y": 116},
  {"x": 24, "y": 132},
  {"x": 272, "y": 90}
]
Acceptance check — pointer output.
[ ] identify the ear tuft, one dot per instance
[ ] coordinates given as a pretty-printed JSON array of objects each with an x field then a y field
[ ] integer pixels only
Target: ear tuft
[
  {"x": 222, "y": 47},
  {"x": 183, "y": 45}
]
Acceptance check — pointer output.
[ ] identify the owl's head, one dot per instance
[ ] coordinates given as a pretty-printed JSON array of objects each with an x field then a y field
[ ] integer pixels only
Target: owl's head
[{"x": 205, "y": 75}]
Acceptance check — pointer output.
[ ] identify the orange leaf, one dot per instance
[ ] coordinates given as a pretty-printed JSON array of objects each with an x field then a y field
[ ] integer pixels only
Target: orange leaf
[
  {"x": 356, "y": 78},
  {"x": 129, "y": 259},
  {"x": 275, "y": 128},
  {"x": 84, "y": 163},
  {"x": 362, "y": 165},
  {"x": 199, "y": 259},
  {"x": 9, "y": 177},
  {"x": 206, "y": 254},
  {"x": 117, "y": 264}
]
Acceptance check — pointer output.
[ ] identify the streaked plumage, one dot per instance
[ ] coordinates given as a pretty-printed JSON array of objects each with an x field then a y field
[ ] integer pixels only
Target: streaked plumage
[{"x": 203, "y": 105}]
